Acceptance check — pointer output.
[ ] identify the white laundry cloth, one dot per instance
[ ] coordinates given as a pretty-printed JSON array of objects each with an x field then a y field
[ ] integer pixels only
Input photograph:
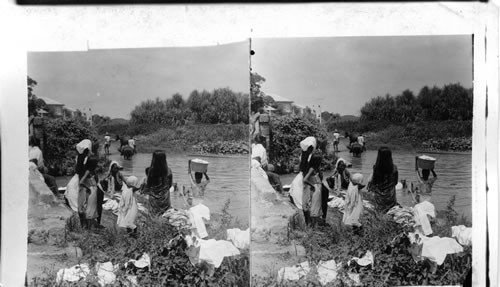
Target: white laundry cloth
[
  {"x": 213, "y": 251},
  {"x": 240, "y": 238},
  {"x": 294, "y": 273},
  {"x": 73, "y": 274},
  {"x": 297, "y": 190},
  {"x": 337, "y": 202},
  {"x": 462, "y": 234},
  {"x": 106, "y": 273},
  {"x": 355, "y": 278},
  {"x": 112, "y": 205},
  {"x": 143, "y": 262},
  {"x": 435, "y": 248},
  {"x": 198, "y": 213},
  {"x": 307, "y": 142},
  {"x": 327, "y": 271},
  {"x": 366, "y": 260},
  {"x": 420, "y": 212},
  {"x": 72, "y": 192}
]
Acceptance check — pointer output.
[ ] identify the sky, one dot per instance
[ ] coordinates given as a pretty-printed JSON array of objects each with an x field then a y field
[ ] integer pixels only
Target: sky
[
  {"x": 113, "y": 82},
  {"x": 341, "y": 74}
]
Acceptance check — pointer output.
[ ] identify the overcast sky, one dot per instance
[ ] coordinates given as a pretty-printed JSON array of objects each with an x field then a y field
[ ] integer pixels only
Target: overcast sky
[
  {"x": 343, "y": 73},
  {"x": 113, "y": 82}
]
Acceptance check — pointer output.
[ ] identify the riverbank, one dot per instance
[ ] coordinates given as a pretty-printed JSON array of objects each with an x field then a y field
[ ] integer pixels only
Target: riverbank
[
  {"x": 201, "y": 139},
  {"x": 392, "y": 264},
  {"x": 169, "y": 263},
  {"x": 455, "y": 136}
]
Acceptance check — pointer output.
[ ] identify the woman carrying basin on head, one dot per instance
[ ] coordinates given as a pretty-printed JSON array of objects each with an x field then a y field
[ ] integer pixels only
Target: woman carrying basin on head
[{"x": 158, "y": 183}]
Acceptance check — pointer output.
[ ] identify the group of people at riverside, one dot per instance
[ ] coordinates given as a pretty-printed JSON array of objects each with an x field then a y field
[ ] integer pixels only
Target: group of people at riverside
[
  {"x": 86, "y": 190},
  {"x": 310, "y": 191}
]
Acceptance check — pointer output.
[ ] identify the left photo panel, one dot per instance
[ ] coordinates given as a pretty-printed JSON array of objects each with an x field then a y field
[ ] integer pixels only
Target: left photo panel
[{"x": 139, "y": 167}]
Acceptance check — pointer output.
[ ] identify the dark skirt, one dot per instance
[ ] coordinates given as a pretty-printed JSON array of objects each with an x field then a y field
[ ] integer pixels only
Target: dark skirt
[{"x": 159, "y": 199}]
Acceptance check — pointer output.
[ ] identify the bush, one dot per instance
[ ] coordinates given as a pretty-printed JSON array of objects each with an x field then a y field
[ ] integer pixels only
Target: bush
[
  {"x": 287, "y": 133},
  {"x": 62, "y": 135},
  {"x": 183, "y": 138}
]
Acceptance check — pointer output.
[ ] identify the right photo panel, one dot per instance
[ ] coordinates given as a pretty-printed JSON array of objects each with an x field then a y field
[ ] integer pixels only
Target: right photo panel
[{"x": 361, "y": 161}]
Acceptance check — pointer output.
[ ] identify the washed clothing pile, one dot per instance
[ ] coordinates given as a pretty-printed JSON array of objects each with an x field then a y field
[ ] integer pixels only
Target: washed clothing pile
[
  {"x": 462, "y": 234},
  {"x": 421, "y": 211},
  {"x": 402, "y": 215},
  {"x": 209, "y": 251},
  {"x": 73, "y": 274},
  {"x": 240, "y": 238},
  {"x": 433, "y": 248},
  {"x": 178, "y": 218},
  {"x": 294, "y": 273},
  {"x": 337, "y": 202},
  {"x": 112, "y": 205},
  {"x": 197, "y": 214}
]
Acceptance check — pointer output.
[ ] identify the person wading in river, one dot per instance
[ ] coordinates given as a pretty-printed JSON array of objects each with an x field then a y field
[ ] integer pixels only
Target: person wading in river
[
  {"x": 198, "y": 186},
  {"x": 158, "y": 184},
  {"x": 383, "y": 180}
]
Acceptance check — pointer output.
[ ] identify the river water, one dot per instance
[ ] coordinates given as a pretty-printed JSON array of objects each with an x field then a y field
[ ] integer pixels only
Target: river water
[
  {"x": 454, "y": 172},
  {"x": 229, "y": 180}
]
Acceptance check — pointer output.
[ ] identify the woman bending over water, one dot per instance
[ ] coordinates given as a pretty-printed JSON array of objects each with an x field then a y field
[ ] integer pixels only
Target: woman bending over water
[
  {"x": 383, "y": 181},
  {"x": 158, "y": 183}
]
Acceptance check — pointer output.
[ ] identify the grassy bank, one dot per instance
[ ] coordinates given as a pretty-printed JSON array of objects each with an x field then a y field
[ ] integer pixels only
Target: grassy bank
[
  {"x": 216, "y": 138},
  {"x": 422, "y": 135},
  {"x": 170, "y": 266},
  {"x": 394, "y": 265}
]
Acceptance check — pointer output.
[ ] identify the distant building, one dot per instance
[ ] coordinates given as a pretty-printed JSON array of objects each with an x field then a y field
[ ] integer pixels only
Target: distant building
[
  {"x": 53, "y": 107},
  {"x": 284, "y": 104},
  {"x": 69, "y": 113}
]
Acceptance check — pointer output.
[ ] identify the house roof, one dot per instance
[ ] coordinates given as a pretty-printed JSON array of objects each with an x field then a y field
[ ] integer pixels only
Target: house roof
[
  {"x": 50, "y": 101},
  {"x": 279, "y": 99},
  {"x": 69, "y": 109},
  {"x": 269, "y": 108}
]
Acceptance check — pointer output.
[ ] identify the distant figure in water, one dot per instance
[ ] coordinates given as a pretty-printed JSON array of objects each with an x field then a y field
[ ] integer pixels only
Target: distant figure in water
[
  {"x": 107, "y": 142},
  {"x": 336, "y": 139}
]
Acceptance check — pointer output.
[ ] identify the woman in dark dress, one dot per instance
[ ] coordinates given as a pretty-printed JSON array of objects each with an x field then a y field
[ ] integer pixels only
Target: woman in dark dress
[
  {"x": 384, "y": 180},
  {"x": 158, "y": 183}
]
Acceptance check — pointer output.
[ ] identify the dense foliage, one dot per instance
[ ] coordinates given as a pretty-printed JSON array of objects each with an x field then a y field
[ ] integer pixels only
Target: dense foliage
[
  {"x": 62, "y": 135},
  {"x": 452, "y": 102},
  {"x": 183, "y": 138},
  {"x": 219, "y": 106},
  {"x": 288, "y": 132}
]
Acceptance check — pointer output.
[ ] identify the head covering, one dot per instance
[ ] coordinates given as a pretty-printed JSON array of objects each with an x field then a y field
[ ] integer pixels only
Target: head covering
[
  {"x": 307, "y": 142},
  {"x": 339, "y": 161},
  {"x": 357, "y": 178},
  {"x": 132, "y": 181},
  {"x": 114, "y": 163},
  {"x": 83, "y": 145}
]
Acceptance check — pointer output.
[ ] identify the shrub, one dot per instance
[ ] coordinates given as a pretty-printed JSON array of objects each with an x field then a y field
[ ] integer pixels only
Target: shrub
[{"x": 288, "y": 132}]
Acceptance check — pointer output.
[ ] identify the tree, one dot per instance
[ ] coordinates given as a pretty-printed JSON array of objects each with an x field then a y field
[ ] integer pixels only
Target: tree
[{"x": 34, "y": 103}]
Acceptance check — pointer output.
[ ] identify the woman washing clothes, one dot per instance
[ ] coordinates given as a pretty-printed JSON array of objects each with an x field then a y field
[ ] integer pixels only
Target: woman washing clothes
[
  {"x": 308, "y": 146},
  {"x": 341, "y": 175},
  {"x": 312, "y": 196},
  {"x": 114, "y": 178},
  {"x": 383, "y": 180},
  {"x": 72, "y": 194},
  {"x": 158, "y": 183},
  {"x": 89, "y": 195}
]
